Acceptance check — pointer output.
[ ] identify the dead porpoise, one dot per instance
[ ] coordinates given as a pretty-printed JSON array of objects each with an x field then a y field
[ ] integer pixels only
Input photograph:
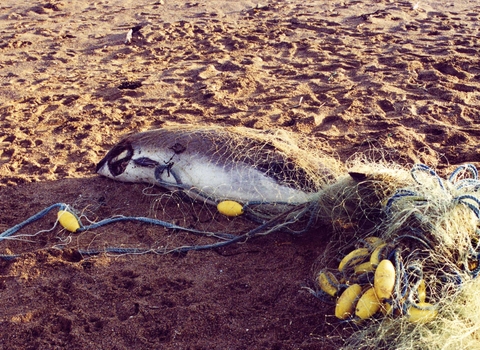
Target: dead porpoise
[{"x": 217, "y": 164}]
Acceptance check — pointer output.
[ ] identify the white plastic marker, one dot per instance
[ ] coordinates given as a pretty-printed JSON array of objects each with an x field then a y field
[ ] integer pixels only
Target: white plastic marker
[{"x": 128, "y": 39}]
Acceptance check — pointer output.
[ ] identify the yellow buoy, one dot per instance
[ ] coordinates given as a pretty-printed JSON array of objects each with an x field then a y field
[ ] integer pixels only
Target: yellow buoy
[
  {"x": 384, "y": 279},
  {"x": 328, "y": 283},
  {"x": 364, "y": 267},
  {"x": 368, "y": 304},
  {"x": 346, "y": 302},
  {"x": 230, "y": 208},
  {"x": 422, "y": 313},
  {"x": 68, "y": 220},
  {"x": 353, "y": 258}
]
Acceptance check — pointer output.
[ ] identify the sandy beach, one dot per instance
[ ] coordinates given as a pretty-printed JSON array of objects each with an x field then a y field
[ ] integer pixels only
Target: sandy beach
[{"x": 398, "y": 80}]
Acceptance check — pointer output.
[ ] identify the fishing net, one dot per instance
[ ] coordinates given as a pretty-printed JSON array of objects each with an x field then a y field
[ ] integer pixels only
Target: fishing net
[{"x": 429, "y": 234}]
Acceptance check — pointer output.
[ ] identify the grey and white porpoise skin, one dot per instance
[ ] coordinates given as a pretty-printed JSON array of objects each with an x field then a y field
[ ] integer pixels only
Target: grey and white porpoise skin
[{"x": 219, "y": 163}]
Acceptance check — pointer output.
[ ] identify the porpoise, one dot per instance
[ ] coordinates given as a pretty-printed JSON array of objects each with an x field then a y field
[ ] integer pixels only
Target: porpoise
[{"x": 215, "y": 164}]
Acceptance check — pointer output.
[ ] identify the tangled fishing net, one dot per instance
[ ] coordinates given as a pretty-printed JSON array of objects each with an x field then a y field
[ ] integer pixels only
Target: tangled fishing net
[
  {"x": 429, "y": 234},
  {"x": 409, "y": 241}
]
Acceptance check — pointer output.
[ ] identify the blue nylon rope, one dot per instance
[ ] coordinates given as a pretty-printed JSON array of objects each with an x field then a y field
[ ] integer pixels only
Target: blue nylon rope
[
  {"x": 31, "y": 219},
  {"x": 153, "y": 222},
  {"x": 226, "y": 237},
  {"x": 462, "y": 199},
  {"x": 427, "y": 169},
  {"x": 470, "y": 168}
]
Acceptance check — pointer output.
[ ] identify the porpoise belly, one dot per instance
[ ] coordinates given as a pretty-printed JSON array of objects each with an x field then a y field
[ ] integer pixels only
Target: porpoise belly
[{"x": 238, "y": 182}]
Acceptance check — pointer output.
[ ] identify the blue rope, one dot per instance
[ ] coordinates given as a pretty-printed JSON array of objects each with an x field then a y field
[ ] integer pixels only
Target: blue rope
[
  {"x": 453, "y": 178},
  {"x": 312, "y": 209},
  {"x": 468, "y": 183},
  {"x": 234, "y": 239},
  {"x": 323, "y": 297},
  {"x": 453, "y": 277},
  {"x": 226, "y": 237},
  {"x": 401, "y": 193},
  {"x": 8, "y": 257},
  {"x": 399, "y": 275},
  {"x": 470, "y": 168},
  {"x": 154, "y": 222},
  {"x": 416, "y": 272},
  {"x": 462, "y": 199},
  {"x": 38, "y": 216},
  {"x": 166, "y": 167},
  {"x": 427, "y": 169}
]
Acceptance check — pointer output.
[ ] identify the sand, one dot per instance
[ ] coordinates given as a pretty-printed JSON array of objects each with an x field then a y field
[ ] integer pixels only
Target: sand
[{"x": 396, "y": 79}]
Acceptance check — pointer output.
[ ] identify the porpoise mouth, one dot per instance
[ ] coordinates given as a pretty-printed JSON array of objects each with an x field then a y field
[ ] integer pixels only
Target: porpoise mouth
[{"x": 116, "y": 159}]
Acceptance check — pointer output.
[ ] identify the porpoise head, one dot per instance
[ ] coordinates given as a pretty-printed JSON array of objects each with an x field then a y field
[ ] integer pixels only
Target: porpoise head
[
  {"x": 129, "y": 162},
  {"x": 116, "y": 161}
]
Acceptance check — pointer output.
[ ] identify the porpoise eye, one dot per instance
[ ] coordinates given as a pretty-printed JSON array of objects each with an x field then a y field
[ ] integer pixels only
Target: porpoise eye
[{"x": 117, "y": 168}]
